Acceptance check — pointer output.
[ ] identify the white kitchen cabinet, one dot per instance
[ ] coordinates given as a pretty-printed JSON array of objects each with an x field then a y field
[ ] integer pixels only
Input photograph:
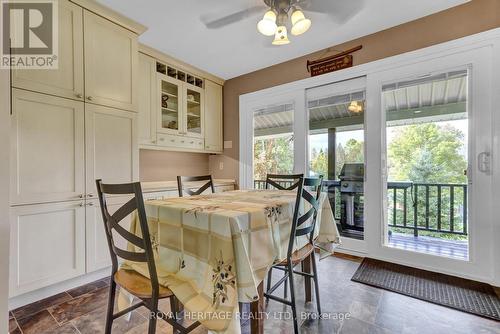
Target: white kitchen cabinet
[
  {"x": 47, "y": 245},
  {"x": 67, "y": 80},
  {"x": 213, "y": 117},
  {"x": 47, "y": 148},
  {"x": 97, "y": 255},
  {"x": 110, "y": 63},
  {"x": 147, "y": 100},
  {"x": 111, "y": 146}
]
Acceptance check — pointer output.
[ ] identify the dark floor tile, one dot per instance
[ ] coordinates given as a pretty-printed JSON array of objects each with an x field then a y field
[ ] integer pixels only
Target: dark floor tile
[
  {"x": 40, "y": 305},
  {"x": 67, "y": 328},
  {"x": 80, "y": 306},
  {"x": 90, "y": 287},
  {"x": 94, "y": 322},
  {"x": 356, "y": 326},
  {"x": 41, "y": 322},
  {"x": 13, "y": 327},
  {"x": 320, "y": 326}
]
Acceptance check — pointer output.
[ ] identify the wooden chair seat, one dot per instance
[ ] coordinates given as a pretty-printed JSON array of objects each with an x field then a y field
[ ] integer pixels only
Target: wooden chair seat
[
  {"x": 138, "y": 285},
  {"x": 299, "y": 255}
]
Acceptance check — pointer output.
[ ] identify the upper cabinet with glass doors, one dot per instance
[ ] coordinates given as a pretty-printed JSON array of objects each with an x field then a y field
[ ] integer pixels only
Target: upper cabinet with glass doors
[{"x": 181, "y": 107}]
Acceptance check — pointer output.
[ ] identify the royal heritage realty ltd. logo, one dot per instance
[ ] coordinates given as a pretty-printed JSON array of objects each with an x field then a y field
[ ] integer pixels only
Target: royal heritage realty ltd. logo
[{"x": 29, "y": 34}]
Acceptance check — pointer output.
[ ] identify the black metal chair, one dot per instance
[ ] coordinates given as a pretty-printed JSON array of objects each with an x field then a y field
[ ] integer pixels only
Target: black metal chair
[
  {"x": 146, "y": 289},
  {"x": 302, "y": 225},
  {"x": 283, "y": 181},
  {"x": 184, "y": 179}
]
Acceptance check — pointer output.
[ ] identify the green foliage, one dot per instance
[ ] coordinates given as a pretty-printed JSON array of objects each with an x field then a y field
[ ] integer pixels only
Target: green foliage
[
  {"x": 427, "y": 153},
  {"x": 273, "y": 155}
]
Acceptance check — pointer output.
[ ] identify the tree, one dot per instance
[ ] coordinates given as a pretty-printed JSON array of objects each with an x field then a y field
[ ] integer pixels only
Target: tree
[
  {"x": 319, "y": 162},
  {"x": 273, "y": 155},
  {"x": 427, "y": 153}
]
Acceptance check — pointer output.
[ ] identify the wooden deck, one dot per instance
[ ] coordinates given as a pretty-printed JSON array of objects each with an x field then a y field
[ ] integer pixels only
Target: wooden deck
[{"x": 430, "y": 245}]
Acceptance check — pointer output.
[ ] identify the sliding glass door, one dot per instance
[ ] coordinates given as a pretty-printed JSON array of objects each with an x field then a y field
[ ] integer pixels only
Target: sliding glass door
[
  {"x": 336, "y": 149},
  {"x": 430, "y": 177}
]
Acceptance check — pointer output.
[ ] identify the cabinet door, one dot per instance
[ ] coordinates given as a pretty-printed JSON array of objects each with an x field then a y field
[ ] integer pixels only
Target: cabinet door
[
  {"x": 194, "y": 107},
  {"x": 47, "y": 245},
  {"x": 147, "y": 97},
  {"x": 213, "y": 117},
  {"x": 169, "y": 103},
  {"x": 47, "y": 148},
  {"x": 67, "y": 79},
  {"x": 110, "y": 63},
  {"x": 111, "y": 146},
  {"x": 98, "y": 256}
]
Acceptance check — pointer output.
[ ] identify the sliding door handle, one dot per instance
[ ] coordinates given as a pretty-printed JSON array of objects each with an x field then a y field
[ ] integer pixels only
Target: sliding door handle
[{"x": 484, "y": 162}]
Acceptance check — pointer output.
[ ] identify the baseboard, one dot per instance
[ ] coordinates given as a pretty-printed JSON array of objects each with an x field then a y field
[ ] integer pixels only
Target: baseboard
[{"x": 33, "y": 296}]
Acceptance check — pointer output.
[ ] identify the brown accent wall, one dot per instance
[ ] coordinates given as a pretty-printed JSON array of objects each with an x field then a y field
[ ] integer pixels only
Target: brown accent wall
[
  {"x": 165, "y": 165},
  {"x": 467, "y": 19}
]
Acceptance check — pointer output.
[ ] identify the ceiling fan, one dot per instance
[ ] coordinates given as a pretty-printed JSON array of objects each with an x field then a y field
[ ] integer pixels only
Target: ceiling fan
[{"x": 277, "y": 14}]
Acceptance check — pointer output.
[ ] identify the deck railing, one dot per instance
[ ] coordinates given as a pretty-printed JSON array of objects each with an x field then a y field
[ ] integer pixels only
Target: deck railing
[{"x": 432, "y": 207}]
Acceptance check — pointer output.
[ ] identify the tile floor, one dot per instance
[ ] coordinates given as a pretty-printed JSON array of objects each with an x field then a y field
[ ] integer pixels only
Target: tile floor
[{"x": 370, "y": 310}]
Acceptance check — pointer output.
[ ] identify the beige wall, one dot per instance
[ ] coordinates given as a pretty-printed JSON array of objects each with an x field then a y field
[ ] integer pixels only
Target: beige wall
[
  {"x": 165, "y": 166},
  {"x": 460, "y": 21}
]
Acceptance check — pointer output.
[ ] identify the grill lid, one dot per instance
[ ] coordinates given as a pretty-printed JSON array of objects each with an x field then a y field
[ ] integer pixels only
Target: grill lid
[{"x": 352, "y": 172}]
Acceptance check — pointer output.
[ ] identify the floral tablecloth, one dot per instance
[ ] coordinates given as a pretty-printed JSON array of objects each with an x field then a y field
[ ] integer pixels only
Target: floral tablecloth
[{"x": 214, "y": 250}]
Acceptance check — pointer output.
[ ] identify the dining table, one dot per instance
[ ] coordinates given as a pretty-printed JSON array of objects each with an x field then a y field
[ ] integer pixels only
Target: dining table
[{"x": 213, "y": 251}]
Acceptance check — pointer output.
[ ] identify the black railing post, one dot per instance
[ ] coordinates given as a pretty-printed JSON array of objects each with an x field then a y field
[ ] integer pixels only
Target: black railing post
[
  {"x": 465, "y": 210},
  {"x": 415, "y": 211},
  {"x": 452, "y": 208}
]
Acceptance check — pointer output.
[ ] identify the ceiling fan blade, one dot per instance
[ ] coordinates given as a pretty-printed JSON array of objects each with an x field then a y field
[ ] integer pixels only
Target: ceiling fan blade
[
  {"x": 340, "y": 11},
  {"x": 216, "y": 23}
]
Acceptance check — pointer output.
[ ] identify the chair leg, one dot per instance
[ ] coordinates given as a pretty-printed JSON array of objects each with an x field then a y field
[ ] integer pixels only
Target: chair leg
[
  {"x": 292, "y": 294},
  {"x": 111, "y": 306},
  {"x": 285, "y": 294},
  {"x": 316, "y": 284},
  {"x": 153, "y": 316},
  {"x": 269, "y": 279}
]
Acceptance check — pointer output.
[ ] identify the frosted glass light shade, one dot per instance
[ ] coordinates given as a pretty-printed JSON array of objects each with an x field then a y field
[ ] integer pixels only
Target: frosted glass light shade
[
  {"x": 281, "y": 37},
  {"x": 299, "y": 23},
  {"x": 267, "y": 26}
]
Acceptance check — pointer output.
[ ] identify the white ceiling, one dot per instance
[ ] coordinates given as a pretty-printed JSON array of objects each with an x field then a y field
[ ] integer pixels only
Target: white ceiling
[{"x": 176, "y": 28}]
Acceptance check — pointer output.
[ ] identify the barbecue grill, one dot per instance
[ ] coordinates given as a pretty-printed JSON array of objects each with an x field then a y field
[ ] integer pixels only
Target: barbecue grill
[{"x": 351, "y": 196}]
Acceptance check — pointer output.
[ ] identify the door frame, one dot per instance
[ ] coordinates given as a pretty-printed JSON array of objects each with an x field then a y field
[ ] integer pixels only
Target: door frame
[
  {"x": 479, "y": 63},
  {"x": 297, "y": 97}
]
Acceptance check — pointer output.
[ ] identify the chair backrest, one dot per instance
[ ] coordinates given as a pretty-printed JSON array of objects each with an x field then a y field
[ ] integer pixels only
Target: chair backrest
[
  {"x": 112, "y": 223},
  {"x": 183, "y": 179},
  {"x": 283, "y": 181},
  {"x": 304, "y": 224}
]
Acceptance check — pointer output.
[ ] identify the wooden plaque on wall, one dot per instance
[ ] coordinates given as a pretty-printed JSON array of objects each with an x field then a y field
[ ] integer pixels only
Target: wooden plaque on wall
[{"x": 332, "y": 63}]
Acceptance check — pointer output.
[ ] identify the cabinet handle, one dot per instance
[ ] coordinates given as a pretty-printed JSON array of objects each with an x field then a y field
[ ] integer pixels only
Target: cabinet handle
[
  {"x": 82, "y": 204},
  {"x": 162, "y": 139},
  {"x": 90, "y": 195},
  {"x": 90, "y": 204},
  {"x": 78, "y": 95},
  {"x": 89, "y": 98},
  {"x": 81, "y": 196}
]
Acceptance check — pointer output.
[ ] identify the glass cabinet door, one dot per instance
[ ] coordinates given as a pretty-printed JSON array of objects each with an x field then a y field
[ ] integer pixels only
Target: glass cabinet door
[
  {"x": 170, "y": 105},
  {"x": 194, "y": 111}
]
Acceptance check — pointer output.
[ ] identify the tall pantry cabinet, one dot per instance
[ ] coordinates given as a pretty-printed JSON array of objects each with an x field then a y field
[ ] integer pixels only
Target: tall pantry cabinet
[{"x": 70, "y": 126}]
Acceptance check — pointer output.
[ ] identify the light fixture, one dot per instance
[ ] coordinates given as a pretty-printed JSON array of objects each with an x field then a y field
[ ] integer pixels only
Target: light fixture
[
  {"x": 267, "y": 26},
  {"x": 355, "y": 107},
  {"x": 281, "y": 37},
  {"x": 275, "y": 21},
  {"x": 299, "y": 22}
]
